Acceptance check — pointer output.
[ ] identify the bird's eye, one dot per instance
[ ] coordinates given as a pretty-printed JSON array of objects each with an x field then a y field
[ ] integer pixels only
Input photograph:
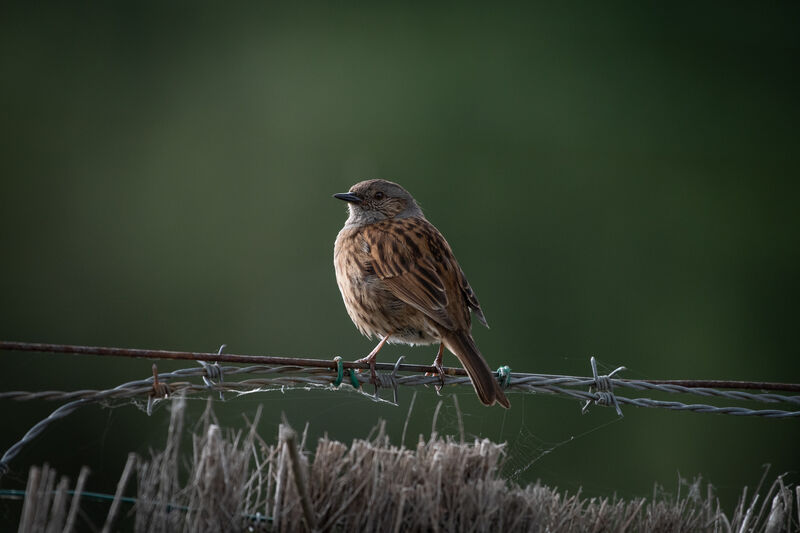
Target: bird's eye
[{"x": 379, "y": 195}]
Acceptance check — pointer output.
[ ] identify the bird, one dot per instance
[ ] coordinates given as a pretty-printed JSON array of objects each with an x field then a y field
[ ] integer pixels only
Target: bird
[{"x": 401, "y": 283}]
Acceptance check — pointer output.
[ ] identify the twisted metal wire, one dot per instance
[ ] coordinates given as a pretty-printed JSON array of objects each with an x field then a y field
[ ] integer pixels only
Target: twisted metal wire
[
  {"x": 600, "y": 390},
  {"x": 522, "y": 382}
]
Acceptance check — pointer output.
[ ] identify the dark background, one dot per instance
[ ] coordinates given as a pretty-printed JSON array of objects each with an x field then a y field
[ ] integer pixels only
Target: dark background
[{"x": 616, "y": 181}]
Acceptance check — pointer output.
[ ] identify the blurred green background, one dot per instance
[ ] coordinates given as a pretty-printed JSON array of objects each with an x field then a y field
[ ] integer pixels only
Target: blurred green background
[{"x": 616, "y": 181}]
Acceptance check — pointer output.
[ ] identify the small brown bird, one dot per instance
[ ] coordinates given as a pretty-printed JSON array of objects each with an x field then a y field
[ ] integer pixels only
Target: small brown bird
[{"x": 401, "y": 282}]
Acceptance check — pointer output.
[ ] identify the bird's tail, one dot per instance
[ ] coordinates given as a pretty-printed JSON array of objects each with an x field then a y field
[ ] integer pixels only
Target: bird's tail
[{"x": 463, "y": 346}]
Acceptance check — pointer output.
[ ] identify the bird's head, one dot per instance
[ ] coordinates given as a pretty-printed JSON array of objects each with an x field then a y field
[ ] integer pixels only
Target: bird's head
[{"x": 371, "y": 201}]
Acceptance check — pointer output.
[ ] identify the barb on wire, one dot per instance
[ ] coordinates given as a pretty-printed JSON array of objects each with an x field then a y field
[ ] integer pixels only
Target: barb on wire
[
  {"x": 159, "y": 392},
  {"x": 389, "y": 381},
  {"x": 604, "y": 388},
  {"x": 213, "y": 373}
]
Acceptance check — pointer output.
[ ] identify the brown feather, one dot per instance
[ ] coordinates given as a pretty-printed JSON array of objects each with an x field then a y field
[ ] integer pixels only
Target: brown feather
[
  {"x": 461, "y": 344},
  {"x": 409, "y": 270}
]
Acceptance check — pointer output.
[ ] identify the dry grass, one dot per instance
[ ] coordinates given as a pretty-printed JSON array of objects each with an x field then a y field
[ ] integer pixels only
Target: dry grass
[{"x": 238, "y": 482}]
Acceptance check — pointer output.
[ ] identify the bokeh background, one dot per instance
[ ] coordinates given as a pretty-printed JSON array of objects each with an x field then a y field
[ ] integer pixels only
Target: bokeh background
[{"x": 616, "y": 181}]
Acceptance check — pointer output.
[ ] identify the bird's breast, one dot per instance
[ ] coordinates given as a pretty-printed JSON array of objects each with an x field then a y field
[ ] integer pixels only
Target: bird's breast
[
  {"x": 373, "y": 308},
  {"x": 361, "y": 289}
]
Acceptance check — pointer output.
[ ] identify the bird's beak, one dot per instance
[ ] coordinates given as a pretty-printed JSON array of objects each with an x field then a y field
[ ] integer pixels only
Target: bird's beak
[{"x": 348, "y": 197}]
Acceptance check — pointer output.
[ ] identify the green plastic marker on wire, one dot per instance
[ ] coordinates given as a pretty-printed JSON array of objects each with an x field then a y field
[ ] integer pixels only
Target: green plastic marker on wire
[
  {"x": 339, "y": 371},
  {"x": 504, "y": 373}
]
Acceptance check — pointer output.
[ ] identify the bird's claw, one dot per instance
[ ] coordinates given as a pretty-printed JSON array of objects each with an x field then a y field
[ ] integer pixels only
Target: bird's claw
[
  {"x": 439, "y": 372},
  {"x": 370, "y": 360}
]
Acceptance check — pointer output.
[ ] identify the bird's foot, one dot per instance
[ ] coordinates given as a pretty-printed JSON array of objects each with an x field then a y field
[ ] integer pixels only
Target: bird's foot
[
  {"x": 440, "y": 373},
  {"x": 370, "y": 360},
  {"x": 437, "y": 364}
]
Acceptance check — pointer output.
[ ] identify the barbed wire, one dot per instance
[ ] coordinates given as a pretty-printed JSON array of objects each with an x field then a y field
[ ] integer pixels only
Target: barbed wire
[
  {"x": 220, "y": 357},
  {"x": 522, "y": 382},
  {"x": 595, "y": 390}
]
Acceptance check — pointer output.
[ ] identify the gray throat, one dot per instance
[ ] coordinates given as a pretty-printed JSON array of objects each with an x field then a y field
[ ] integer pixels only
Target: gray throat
[{"x": 360, "y": 217}]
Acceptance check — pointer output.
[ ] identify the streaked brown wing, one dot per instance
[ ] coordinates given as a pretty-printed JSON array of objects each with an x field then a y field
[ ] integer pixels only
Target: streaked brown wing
[{"x": 410, "y": 256}]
